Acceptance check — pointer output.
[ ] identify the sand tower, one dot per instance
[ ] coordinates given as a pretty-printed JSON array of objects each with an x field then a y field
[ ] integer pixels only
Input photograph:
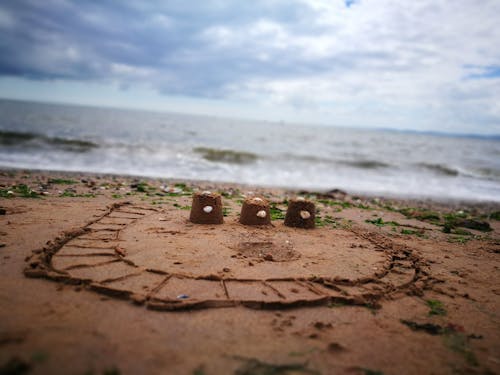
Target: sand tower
[
  {"x": 206, "y": 208},
  {"x": 300, "y": 213},
  {"x": 255, "y": 211}
]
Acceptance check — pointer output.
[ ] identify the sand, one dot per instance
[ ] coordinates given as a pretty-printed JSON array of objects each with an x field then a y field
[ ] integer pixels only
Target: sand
[{"x": 105, "y": 274}]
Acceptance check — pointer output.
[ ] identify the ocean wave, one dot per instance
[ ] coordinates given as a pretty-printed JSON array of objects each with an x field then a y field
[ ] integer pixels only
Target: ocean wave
[
  {"x": 440, "y": 169},
  {"x": 226, "y": 156},
  {"x": 485, "y": 173},
  {"x": 35, "y": 140},
  {"x": 365, "y": 164}
]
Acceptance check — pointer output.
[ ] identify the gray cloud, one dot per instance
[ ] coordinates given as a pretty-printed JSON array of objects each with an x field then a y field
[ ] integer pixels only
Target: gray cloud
[{"x": 317, "y": 55}]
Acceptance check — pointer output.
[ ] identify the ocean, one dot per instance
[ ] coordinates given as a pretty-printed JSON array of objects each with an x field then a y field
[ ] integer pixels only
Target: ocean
[{"x": 169, "y": 145}]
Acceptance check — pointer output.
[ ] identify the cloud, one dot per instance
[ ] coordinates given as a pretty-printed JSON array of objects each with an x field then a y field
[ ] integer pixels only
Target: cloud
[{"x": 425, "y": 64}]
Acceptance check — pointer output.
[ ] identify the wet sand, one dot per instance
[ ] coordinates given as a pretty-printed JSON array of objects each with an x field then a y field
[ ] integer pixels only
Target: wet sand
[{"x": 105, "y": 274}]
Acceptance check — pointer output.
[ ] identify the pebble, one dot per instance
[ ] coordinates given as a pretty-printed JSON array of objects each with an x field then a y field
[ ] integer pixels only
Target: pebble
[
  {"x": 262, "y": 214},
  {"x": 305, "y": 215},
  {"x": 208, "y": 209}
]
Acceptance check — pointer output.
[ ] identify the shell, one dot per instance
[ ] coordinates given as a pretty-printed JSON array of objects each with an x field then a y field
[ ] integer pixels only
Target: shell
[
  {"x": 261, "y": 214},
  {"x": 305, "y": 214},
  {"x": 300, "y": 199},
  {"x": 208, "y": 209},
  {"x": 206, "y": 192}
]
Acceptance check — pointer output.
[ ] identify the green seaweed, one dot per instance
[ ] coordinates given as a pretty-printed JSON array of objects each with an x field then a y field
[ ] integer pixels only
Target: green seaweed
[
  {"x": 182, "y": 207},
  {"x": 61, "y": 181},
  {"x": 419, "y": 214},
  {"x": 70, "y": 194},
  {"x": 459, "y": 342},
  {"x": 253, "y": 366},
  {"x": 321, "y": 222},
  {"x": 379, "y": 222},
  {"x": 495, "y": 215},
  {"x": 367, "y": 371},
  {"x": 436, "y": 307},
  {"x": 21, "y": 190},
  {"x": 276, "y": 213},
  {"x": 6, "y": 193},
  {"x": 330, "y": 202},
  {"x": 199, "y": 371},
  {"x": 460, "y": 239},
  {"x": 112, "y": 371}
]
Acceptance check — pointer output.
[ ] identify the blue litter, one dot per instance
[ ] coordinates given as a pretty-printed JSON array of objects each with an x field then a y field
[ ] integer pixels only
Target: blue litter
[{"x": 182, "y": 296}]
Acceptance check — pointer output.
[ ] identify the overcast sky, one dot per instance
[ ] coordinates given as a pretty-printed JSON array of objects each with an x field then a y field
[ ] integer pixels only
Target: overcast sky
[{"x": 423, "y": 65}]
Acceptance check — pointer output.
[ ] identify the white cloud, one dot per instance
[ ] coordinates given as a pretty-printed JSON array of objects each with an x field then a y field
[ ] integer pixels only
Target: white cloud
[
  {"x": 423, "y": 64},
  {"x": 380, "y": 56},
  {"x": 6, "y": 19}
]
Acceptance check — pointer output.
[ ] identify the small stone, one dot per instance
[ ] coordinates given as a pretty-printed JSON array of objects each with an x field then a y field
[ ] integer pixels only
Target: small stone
[
  {"x": 305, "y": 215},
  {"x": 268, "y": 257},
  {"x": 208, "y": 209},
  {"x": 261, "y": 214},
  {"x": 225, "y": 269}
]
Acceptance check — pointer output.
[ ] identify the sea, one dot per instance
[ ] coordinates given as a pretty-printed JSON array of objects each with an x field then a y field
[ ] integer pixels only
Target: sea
[{"x": 181, "y": 146}]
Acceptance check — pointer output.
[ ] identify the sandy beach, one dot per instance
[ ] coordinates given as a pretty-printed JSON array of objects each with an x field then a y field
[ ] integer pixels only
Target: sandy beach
[{"x": 105, "y": 274}]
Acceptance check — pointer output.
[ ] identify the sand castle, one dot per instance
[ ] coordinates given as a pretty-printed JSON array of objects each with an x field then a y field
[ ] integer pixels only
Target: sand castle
[
  {"x": 206, "y": 208},
  {"x": 255, "y": 211},
  {"x": 300, "y": 213}
]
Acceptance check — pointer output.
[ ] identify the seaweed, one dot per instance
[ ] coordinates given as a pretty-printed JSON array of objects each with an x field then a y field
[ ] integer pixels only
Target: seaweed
[
  {"x": 459, "y": 342},
  {"x": 276, "y": 213},
  {"x": 61, "y": 181},
  {"x": 436, "y": 307},
  {"x": 430, "y": 328},
  {"x": 460, "y": 239},
  {"x": 253, "y": 366},
  {"x": 367, "y": 371},
  {"x": 379, "y": 222},
  {"x": 182, "y": 207},
  {"x": 72, "y": 194},
  {"x": 21, "y": 190},
  {"x": 419, "y": 214}
]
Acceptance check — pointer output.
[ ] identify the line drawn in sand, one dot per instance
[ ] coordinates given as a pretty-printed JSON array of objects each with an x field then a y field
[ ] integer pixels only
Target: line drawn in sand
[{"x": 126, "y": 254}]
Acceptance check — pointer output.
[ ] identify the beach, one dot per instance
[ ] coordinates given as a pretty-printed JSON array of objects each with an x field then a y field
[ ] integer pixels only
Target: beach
[{"x": 104, "y": 274}]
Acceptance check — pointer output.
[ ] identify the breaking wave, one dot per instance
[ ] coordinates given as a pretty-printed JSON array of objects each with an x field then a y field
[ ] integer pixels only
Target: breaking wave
[{"x": 35, "y": 140}]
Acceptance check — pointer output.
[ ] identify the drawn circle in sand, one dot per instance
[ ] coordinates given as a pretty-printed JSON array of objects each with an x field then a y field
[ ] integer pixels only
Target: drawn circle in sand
[{"x": 152, "y": 258}]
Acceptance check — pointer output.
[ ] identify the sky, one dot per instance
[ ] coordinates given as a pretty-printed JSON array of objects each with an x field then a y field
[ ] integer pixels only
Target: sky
[{"x": 429, "y": 65}]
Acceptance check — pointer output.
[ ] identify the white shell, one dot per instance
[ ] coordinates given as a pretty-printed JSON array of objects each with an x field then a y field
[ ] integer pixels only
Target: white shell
[
  {"x": 305, "y": 215},
  {"x": 206, "y": 192},
  {"x": 300, "y": 199},
  {"x": 208, "y": 209},
  {"x": 262, "y": 214},
  {"x": 257, "y": 199}
]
